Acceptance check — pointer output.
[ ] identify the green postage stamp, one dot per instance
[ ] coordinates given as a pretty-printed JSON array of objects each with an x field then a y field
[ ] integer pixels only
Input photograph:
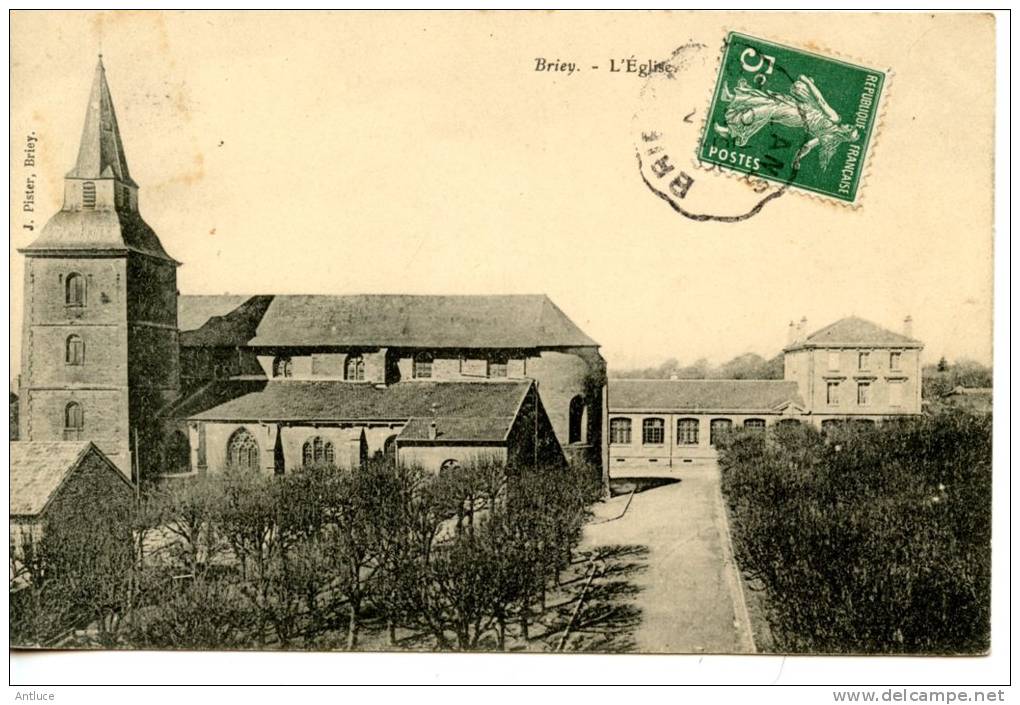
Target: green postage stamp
[{"x": 792, "y": 117}]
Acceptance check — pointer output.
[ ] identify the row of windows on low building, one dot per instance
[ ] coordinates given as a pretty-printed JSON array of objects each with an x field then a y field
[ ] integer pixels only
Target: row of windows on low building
[
  {"x": 354, "y": 367},
  {"x": 688, "y": 430},
  {"x": 864, "y": 359}
]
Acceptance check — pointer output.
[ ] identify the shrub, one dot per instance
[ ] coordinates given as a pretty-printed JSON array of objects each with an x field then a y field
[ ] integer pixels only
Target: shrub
[{"x": 867, "y": 540}]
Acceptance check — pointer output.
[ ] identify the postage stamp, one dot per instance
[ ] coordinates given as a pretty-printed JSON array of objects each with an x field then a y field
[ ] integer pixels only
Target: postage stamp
[{"x": 792, "y": 117}]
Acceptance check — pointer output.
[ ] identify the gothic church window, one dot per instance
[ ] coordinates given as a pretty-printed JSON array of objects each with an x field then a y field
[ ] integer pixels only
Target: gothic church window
[
  {"x": 575, "y": 432},
  {"x": 178, "y": 453},
  {"x": 74, "y": 353},
  {"x": 423, "y": 365},
  {"x": 354, "y": 368},
  {"x": 74, "y": 290},
  {"x": 74, "y": 421},
  {"x": 317, "y": 452},
  {"x": 243, "y": 450},
  {"x": 282, "y": 367}
]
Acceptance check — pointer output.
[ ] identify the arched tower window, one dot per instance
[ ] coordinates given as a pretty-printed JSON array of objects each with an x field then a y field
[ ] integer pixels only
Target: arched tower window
[
  {"x": 354, "y": 368},
  {"x": 74, "y": 350},
  {"x": 74, "y": 290},
  {"x": 88, "y": 194},
  {"x": 243, "y": 450},
  {"x": 74, "y": 422},
  {"x": 316, "y": 451},
  {"x": 178, "y": 453},
  {"x": 282, "y": 367},
  {"x": 577, "y": 420}
]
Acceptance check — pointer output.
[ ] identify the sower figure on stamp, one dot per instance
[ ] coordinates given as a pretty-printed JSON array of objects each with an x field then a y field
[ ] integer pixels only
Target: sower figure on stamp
[{"x": 750, "y": 109}]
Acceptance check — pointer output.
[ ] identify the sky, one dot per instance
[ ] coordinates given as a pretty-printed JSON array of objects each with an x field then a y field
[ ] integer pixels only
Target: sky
[{"x": 337, "y": 154}]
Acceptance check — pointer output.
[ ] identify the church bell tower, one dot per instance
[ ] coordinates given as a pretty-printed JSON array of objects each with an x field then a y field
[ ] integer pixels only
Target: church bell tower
[{"x": 99, "y": 347}]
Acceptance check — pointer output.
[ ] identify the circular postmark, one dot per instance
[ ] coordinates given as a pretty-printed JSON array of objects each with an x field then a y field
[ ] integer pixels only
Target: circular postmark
[{"x": 669, "y": 124}]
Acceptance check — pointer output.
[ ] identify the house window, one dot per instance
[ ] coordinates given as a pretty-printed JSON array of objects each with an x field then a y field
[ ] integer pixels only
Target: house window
[
  {"x": 282, "y": 367},
  {"x": 894, "y": 360},
  {"x": 832, "y": 393},
  {"x": 717, "y": 429},
  {"x": 754, "y": 424},
  {"x": 620, "y": 432},
  {"x": 653, "y": 432},
  {"x": 864, "y": 393},
  {"x": 88, "y": 194},
  {"x": 834, "y": 359},
  {"x": 423, "y": 365},
  {"x": 863, "y": 360},
  {"x": 74, "y": 350},
  {"x": 498, "y": 366},
  {"x": 354, "y": 368},
  {"x": 788, "y": 423},
  {"x": 577, "y": 417},
  {"x": 317, "y": 452},
  {"x": 243, "y": 450},
  {"x": 74, "y": 290},
  {"x": 896, "y": 394},
  {"x": 74, "y": 422},
  {"x": 687, "y": 432}
]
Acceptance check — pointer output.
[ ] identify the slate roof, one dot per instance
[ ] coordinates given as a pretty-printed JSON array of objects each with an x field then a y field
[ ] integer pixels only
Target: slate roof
[
  {"x": 39, "y": 468},
  {"x": 193, "y": 311},
  {"x": 853, "y": 331},
  {"x": 458, "y": 429},
  {"x": 702, "y": 395},
  {"x": 309, "y": 401},
  {"x": 101, "y": 153},
  {"x": 101, "y": 229},
  {"x": 383, "y": 320}
]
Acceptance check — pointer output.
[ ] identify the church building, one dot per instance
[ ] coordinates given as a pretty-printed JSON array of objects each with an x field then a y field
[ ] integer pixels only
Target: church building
[{"x": 169, "y": 384}]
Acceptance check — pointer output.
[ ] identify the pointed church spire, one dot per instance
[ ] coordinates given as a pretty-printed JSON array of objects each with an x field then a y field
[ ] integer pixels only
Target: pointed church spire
[{"x": 101, "y": 154}]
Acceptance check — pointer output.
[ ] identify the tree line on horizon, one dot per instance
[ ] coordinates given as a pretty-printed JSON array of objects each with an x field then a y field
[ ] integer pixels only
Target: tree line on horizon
[{"x": 938, "y": 379}]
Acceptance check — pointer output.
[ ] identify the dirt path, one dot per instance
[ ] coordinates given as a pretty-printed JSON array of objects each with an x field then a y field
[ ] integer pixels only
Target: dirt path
[{"x": 689, "y": 595}]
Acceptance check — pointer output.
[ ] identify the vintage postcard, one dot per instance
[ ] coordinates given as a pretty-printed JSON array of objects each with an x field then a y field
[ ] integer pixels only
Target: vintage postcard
[{"x": 522, "y": 332}]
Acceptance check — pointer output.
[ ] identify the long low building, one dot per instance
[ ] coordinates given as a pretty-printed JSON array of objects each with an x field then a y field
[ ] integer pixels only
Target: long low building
[{"x": 666, "y": 422}]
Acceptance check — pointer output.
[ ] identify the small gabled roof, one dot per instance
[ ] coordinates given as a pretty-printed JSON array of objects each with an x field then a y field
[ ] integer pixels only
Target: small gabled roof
[
  {"x": 703, "y": 395},
  {"x": 381, "y": 320},
  {"x": 458, "y": 429},
  {"x": 852, "y": 332},
  {"x": 40, "y": 468}
]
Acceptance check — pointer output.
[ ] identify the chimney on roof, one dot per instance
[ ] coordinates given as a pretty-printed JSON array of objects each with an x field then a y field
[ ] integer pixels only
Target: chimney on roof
[
  {"x": 791, "y": 333},
  {"x": 802, "y": 328},
  {"x": 908, "y": 326},
  {"x": 432, "y": 431}
]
